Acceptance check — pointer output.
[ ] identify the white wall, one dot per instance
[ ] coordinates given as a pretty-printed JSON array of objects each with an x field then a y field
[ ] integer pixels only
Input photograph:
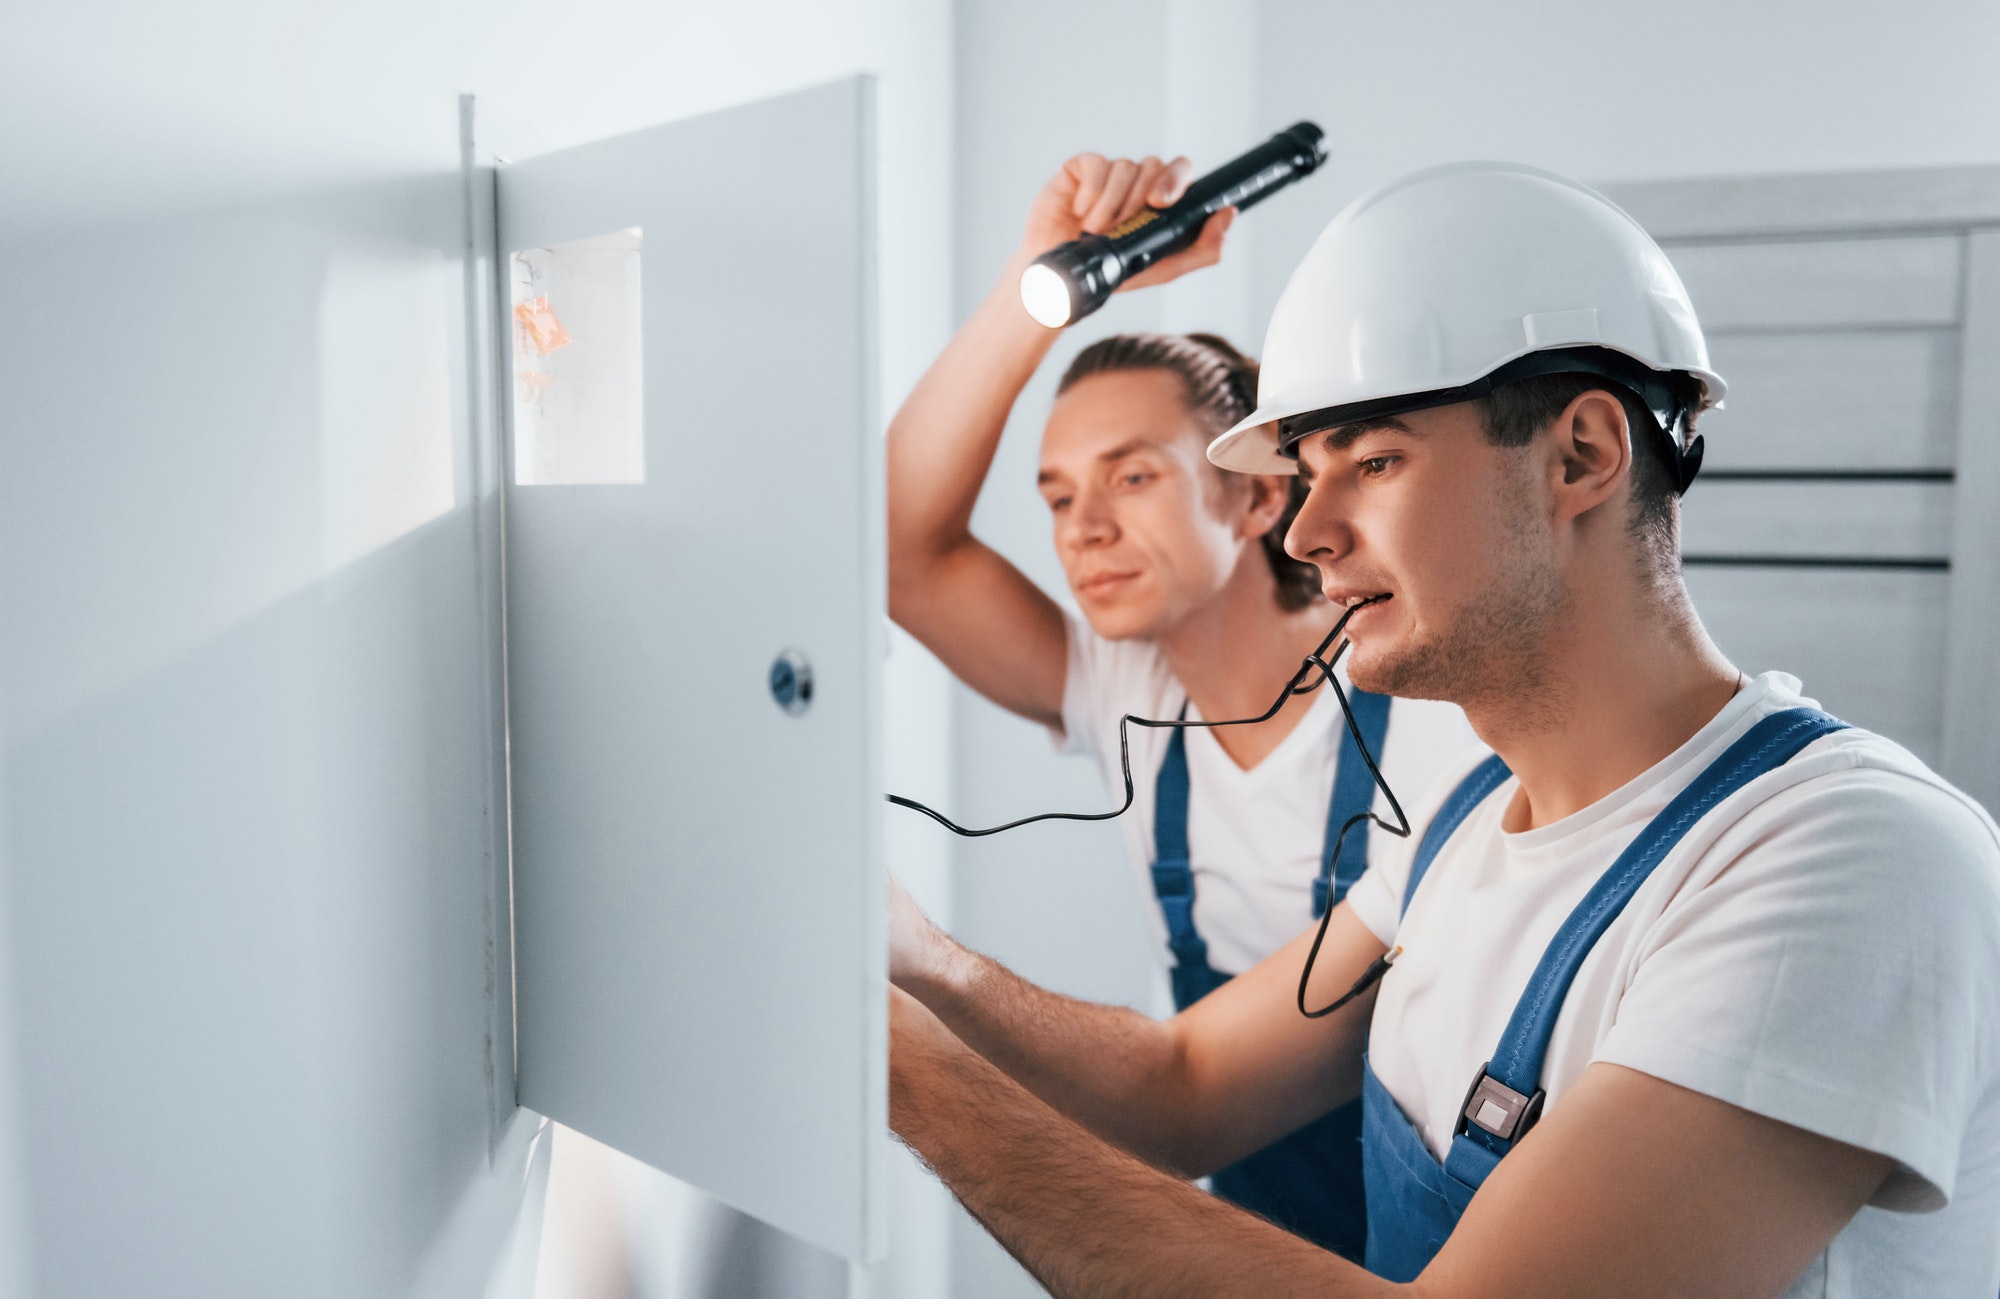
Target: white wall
[{"x": 245, "y": 838}]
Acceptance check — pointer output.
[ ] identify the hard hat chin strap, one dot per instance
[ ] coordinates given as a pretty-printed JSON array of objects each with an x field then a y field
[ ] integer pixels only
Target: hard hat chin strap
[{"x": 1650, "y": 386}]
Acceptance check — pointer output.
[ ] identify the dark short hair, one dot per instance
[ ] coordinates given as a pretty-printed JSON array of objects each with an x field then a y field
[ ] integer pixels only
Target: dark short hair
[
  {"x": 1514, "y": 413},
  {"x": 1220, "y": 387}
]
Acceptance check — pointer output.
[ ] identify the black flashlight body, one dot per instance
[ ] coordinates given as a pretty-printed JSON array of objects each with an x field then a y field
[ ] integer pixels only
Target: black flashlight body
[{"x": 1093, "y": 266}]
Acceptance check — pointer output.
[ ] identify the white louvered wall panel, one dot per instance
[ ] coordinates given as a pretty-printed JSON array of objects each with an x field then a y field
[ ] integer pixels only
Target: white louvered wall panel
[{"x": 1843, "y": 528}]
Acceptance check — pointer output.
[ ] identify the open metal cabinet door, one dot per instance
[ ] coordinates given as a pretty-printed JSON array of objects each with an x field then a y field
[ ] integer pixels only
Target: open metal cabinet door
[{"x": 693, "y": 519}]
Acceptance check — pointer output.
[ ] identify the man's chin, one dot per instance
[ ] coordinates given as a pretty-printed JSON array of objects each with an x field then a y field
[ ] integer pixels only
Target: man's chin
[
  {"x": 1116, "y": 622},
  {"x": 1365, "y": 672},
  {"x": 1383, "y": 672}
]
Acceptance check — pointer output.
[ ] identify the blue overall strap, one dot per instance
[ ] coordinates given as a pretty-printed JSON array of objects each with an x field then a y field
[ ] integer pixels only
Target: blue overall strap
[
  {"x": 1353, "y": 795},
  {"x": 1471, "y": 792},
  {"x": 1517, "y": 1063},
  {"x": 1173, "y": 876}
]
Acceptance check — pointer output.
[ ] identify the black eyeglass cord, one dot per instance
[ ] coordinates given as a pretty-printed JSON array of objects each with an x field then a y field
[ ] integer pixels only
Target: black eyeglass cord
[{"x": 1316, "y": 662}]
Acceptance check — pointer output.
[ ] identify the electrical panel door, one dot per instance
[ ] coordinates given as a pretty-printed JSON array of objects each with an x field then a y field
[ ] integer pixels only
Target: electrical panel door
[{"x": 695, "y": 633}]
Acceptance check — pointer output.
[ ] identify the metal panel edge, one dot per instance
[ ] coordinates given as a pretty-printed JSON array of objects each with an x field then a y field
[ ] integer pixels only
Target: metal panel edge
[
  {"x": 484, "y": 338},
  {"x": 873, "y": 1232}
]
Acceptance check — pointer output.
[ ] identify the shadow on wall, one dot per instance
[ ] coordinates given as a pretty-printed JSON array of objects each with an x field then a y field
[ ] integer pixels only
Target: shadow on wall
[
  {"x": 243, "y": 903},
  {"x": 246, "y": 842}
]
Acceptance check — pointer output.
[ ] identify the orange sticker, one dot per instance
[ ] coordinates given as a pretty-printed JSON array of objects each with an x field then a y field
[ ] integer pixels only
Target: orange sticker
[
  {"x": 533, "y": 384},
  {"x": 541, "y": 326}
]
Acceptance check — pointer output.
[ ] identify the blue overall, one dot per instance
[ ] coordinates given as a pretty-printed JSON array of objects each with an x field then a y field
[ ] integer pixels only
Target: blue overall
[
  {"x": 1309, "y": 1182},
  {"x": 1414, "y": 1201}
]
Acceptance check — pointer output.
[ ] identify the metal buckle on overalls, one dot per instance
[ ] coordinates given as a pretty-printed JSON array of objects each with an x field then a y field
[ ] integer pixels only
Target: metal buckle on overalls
[{"x": 1494, "y": 1107}]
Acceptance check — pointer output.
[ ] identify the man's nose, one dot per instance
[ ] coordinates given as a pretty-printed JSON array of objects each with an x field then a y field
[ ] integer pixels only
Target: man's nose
[
  {"x": 1090, "y": 522},
  {"x": 1321, "y": 531}
]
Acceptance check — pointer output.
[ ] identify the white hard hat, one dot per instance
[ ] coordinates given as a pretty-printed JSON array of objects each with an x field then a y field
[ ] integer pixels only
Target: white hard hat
[{"x": 1442, "y": 285}]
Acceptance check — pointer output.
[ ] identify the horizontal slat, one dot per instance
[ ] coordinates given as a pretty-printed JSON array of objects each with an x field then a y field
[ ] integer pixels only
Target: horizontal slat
[
  {"x": 1864, "y": 400},
  {"x": 1880, "y": 520},
  {"x": 1866, "y": 643},
  {"x": 1823, "y": 283},
  {"x": 1814, "y": 202},
  {"x": 1712, "y": 474},
  {"x": 1752, "y": 560}
]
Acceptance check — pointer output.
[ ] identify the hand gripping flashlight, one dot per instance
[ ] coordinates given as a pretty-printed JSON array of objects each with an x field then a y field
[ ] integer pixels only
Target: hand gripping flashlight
[{"x": 1069, "y": 282}]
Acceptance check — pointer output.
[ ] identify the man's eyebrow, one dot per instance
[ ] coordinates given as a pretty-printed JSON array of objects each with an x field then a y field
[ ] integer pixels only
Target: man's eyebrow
[
  {"x": 1343, "y": 436},
  {"x": 1129, "y": 447}
]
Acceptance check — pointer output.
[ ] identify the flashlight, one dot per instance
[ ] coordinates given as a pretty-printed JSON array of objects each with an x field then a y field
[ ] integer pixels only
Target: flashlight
[{"x": 1069, "y": 282}]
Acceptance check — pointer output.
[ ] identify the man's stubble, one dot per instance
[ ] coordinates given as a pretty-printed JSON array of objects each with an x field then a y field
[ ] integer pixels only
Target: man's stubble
[{"x": 1491, "y": 653}]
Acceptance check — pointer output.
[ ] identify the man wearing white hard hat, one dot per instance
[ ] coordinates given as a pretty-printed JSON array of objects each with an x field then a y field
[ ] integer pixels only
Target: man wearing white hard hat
[{"x": 1691, "y": 989}]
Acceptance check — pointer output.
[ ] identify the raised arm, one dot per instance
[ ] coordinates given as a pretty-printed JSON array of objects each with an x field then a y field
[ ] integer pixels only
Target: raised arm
[{"x": 976, "y": 611}]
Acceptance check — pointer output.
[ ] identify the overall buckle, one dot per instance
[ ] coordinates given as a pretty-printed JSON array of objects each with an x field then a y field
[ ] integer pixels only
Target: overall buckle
[{"x": 1497, "y": 1109}]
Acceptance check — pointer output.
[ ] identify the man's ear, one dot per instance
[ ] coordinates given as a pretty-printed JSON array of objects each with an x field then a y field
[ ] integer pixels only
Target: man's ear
[
  {"x": 1269, "y": 494},
  {"x": 1592, "y": 452}
]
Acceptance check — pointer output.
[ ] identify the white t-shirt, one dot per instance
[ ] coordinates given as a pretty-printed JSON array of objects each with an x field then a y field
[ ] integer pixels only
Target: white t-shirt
[
  {"x": 1822, "y": 948},
  {"x": 1254, "y": 837}
]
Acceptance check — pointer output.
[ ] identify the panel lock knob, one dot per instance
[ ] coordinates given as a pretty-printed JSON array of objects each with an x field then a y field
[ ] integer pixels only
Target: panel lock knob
[{"x": 792, "y": 682}]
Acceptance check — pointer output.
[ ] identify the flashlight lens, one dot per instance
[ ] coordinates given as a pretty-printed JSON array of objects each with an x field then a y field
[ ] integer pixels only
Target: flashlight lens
[{"x": 1045, "y": 295}]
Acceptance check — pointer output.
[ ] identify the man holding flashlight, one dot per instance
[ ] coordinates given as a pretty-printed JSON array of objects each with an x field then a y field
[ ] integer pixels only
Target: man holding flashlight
[{"x": 1698, "y": 989}]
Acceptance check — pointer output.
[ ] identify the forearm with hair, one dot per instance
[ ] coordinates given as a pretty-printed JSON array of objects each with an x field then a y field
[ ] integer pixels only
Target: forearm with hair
[
  {"x": 1119, "y": 1073},
  {"x": 1085, "y": 1218}
]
